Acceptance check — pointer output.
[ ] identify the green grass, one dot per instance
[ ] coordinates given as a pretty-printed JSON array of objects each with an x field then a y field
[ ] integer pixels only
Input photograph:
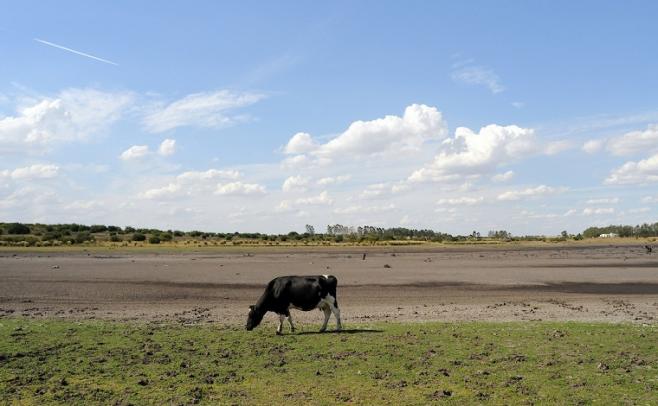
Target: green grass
[{"x": 94, "y": 362}]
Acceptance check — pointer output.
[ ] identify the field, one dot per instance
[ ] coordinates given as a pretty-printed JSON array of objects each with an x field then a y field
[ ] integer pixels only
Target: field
[
  {"x": 385, "y": 363},
  {"x": 566, "y": 323},
  {"x": 507, "y": 283}
]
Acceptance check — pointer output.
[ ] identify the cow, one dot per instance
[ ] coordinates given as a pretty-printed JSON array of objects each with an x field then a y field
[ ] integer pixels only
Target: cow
[{"x": 296, "y": 292}]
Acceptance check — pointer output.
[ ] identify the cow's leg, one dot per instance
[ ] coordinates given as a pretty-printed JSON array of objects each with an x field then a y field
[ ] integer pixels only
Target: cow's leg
[
  {"x": 336, "y": 311},
  {"x": 279, "y": 329},
  {"x": 327, "y": 313},
  {"x": 292, "y": 326},
  {"x": 333, "y": 306}
]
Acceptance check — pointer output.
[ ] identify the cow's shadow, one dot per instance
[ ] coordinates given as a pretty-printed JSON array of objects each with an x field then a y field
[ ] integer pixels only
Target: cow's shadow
[{"x": 344, "y": 331}]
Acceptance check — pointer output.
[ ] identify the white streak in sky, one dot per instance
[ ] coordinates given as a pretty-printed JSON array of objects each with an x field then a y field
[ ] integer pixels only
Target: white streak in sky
[{"x": 75, "y": 52}]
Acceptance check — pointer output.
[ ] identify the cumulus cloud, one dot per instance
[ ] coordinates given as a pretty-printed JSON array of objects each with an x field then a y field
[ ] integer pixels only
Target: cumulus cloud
[
  {"x": 461, "y": 201},
  {"x": 589, "y": 211},
  {"x": 389, "y": 135},
  {"x": 555, "y": 147},
  {"x": 479, "y": 75},
  {"x": 300, "y": 143},
  {"x": 593, "y": 146},
  {"x": 322, "y": 199},
  {"x": 170, "y": 190},
  {"x": 503, "y": 177},
  {"x": 210, "y": 174},
  {"x": 334, "y": 180},
  {"x": 135, "y": 152},
  {"x": 167, "y": 147},
  {"x": 359, "y": 209},
  {"x": 635, "y": 142},
  {"x": 469, "y": 152},
  {"x": 73, "y": 115},
  {"x": 207, "y": 110},
  {"x": 38, "y": 171},
  {"x": 191, "y": 183},
  {"x": 239, "y": 188},
  {"x": 635, "y": 172},
  {"x": 293, "y": 183},
  {"x": 374, "y": 190},
  {"x": 609, "y": 200},
  {"x": 541, "y": 190}
]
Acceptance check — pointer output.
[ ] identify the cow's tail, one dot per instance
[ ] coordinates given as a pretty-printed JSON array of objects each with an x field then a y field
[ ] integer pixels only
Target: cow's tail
[{"x": 332, "y": 283}]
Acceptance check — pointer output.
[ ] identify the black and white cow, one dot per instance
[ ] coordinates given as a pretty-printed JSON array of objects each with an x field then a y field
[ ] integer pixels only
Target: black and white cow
[{"x": 296, "y": 292}]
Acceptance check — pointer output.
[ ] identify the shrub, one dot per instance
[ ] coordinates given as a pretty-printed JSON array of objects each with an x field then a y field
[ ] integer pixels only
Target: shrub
[
  {"x": 18, "y": 228},
  {"x": 154, "y": 240},
  {"x": 97, "y": 228},
  {"x": 167, "y": 237},
  {"x": 139, "y": 237},
  {"x": 115, "y": 238},
  {"x": 83, "y": 236},
  {"x": 52, "y": 235}
]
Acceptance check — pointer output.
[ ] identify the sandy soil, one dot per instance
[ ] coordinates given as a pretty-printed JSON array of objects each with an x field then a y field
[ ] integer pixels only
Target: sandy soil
[{"x": 600, "y": 283}]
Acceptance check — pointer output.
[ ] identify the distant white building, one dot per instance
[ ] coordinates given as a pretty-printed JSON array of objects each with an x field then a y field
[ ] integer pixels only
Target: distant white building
[{"x": 611, "y": 235}]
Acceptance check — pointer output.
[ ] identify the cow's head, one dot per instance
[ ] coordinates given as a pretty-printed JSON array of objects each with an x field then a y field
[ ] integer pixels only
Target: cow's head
[{"x": 254, "y": 318}]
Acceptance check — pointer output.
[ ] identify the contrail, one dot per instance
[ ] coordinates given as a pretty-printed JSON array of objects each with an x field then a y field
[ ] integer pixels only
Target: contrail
[{"x": 75, "y": 52}]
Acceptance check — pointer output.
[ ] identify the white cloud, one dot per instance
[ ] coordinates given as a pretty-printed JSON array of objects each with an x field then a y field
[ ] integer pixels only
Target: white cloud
[
  {"x": 555, "y": 147},
  {"x": 38, "y": 171},
  {"x": 297, "y": 161},
  {"x": 73, "y": 115},
  {"x": 358, "y": 209},
  {"x": 593, "y": 146},
  {"x": 472, "y": 153},
  {"x": 170, "y": 190},
  {"x": 300, "y": 143},
  {"x": 334, "y": 180},
  {"x": 191, "y": 183},
  {"x": 293, "y": 183},
  {"x": 239, "y": 188},
  {"x": 503, "y": 177},
  {"x": 134, "y": 152},
  {"x": 374, "y": 190},
  {"x": 640, "y": 172},
  {"x": 635, "y": 142},
  {"x": 210, "y": 174},
  {"x": 541, "y": 190},
  {"x": 461, "y": 201},
  {"x": 321, "y": 199},
  {"x": 610, "y": 200},
  {"x": 391, "y": 136},
  {"x": 518, "y": 105},
  {"x": 479, "y": 75},
  {"x": 649, "y": 199},
  {"x": 84, "y": 205},
  {"x": 588, "y": 211},
  {"x": 167, "y": 148},
  {"x": 639, "y": 210},
  {"x": 208, "y": 110}
]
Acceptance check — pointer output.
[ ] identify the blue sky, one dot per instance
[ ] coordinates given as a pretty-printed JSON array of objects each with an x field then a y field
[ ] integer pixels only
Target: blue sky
[{"x": 255, "y": 116}]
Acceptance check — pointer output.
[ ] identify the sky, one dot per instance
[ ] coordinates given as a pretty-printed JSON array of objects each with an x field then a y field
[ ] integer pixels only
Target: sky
[{"x": 530, "y": 117}]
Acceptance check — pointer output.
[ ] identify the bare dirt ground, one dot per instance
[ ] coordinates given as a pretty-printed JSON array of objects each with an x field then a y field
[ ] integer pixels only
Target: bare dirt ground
[{"x": 597, "y": 283}]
